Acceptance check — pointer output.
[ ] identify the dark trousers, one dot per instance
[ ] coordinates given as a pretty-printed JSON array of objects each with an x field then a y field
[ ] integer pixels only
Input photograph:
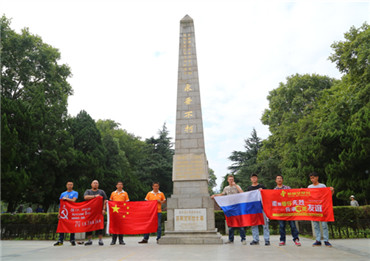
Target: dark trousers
[
  {"x": 159, "y": 230},
  {"x": 114, "y": 238},
  {"x": 293, "y": 228},
  {"x": 231, "y": 233},
  {"x": 97, "y": 232},
  {"x": 61, "y": 237}
]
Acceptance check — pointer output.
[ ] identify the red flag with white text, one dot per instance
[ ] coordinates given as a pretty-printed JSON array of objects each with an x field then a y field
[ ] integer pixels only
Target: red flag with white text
[
  {"x": 81, "y": 217},
  {"x": 298, "y": 204},
  {"x": 132, "y": 217}
]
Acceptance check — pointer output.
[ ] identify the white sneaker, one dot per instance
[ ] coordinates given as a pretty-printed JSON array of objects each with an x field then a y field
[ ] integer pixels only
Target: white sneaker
[
  {"x": 229, "y": 242},
  {"x": 244, "y": 242}
]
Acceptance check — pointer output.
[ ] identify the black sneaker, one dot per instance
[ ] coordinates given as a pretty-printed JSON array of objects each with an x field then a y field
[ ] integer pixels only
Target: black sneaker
[
  {"x": 122, "y": 243},
  {"x": 327, "y": 244},
  {"x": 254, "y": 243},
  {"x": 88, "y": 243},
  {"x": 267, "y": 243},
  {"x": 112, "y": 243},
  {"x": 73, "y": 243},
  {"x": 317, "y": 243},
  {"x": 58, "y": 243},
  {"x": 144, "y": 241},
  {"x": 101, "y": 243}
]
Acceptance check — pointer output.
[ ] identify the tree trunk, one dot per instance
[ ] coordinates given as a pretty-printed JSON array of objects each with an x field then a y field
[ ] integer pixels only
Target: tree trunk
[{"x": 11, "y": 206}]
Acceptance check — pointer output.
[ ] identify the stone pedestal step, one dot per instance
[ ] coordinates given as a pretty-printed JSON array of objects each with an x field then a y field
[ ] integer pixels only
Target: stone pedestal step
[{"x": 191, "y": 238}]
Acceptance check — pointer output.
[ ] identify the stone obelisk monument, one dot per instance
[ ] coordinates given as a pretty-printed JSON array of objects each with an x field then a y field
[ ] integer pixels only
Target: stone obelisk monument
[{"x": 190, "y": 210}]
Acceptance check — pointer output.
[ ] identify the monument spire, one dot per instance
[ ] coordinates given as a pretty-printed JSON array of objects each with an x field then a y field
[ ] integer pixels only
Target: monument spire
[
  {"x": 190, "y": 210},
  {"x": 190, "y": 160}
]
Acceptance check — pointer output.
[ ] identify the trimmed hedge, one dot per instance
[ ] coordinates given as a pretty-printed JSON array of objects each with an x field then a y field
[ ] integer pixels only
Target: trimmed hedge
[
  {"x": 350, "y": 222},
  {"x": 32, "y": 218}
]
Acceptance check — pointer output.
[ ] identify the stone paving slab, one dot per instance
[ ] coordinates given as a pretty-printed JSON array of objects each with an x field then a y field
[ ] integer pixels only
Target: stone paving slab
[{"x": 343, "y": 249}]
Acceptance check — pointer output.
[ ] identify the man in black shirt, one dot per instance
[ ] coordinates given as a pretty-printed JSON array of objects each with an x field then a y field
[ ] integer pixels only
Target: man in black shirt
[
  {"x": 90, "y": 194},
  {"x": 266, "y": 232}
]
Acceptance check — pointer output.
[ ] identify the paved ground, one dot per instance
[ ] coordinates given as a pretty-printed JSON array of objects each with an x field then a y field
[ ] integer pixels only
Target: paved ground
[{"x": 343, "y": 249}]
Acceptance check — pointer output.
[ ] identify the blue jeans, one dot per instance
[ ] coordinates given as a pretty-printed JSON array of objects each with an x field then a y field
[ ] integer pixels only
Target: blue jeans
[
  {"x": 241, "y": 231},
  {"x": 293, "y": 228},
  {"x": 266, "y": 231},
  {"x": 61, "y": 237},
  {"x": 325, "y": 230},
  {"x": 159, "y": 230}
]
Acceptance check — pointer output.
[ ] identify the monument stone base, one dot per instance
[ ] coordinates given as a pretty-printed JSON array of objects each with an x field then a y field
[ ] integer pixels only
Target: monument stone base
[
  {"x": 190, "y": 215},
  {"x": 191, "y": 238}
]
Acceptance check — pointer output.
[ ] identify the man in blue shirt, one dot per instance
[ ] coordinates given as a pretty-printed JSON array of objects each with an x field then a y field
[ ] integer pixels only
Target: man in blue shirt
[{"x": 69, "y": 195}]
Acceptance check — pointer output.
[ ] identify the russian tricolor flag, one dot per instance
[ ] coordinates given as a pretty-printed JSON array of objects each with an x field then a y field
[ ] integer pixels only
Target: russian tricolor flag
[{"x": 242, "y": 209}]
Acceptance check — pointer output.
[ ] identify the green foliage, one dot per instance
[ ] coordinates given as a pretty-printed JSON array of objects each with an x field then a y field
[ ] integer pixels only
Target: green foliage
[
  {"x": 124, "y": 152},
  {"x": 33, "y": 218},
  {"x": 157, "y": 164},
  {"x": 211, "y": 181},
  {"x": 34, "y": 94},
  {"x": 245, "y": 162},
  {"x": 42, "y": 148},
  {"x": 89, "y": 153},
  {"x": 352, "y": 55},
  {"x": 321, "y": 124},
  {"x": 291, "y": 102}
]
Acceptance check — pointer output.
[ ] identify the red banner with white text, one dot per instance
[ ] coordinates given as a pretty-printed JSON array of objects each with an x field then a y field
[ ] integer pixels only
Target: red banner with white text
[
  {"x": 80, "y": 217},
  {"x": 298, "y": 204}
]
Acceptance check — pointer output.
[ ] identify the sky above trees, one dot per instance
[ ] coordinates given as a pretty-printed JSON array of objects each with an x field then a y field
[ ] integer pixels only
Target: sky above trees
[{"x": 124, "y": 55}]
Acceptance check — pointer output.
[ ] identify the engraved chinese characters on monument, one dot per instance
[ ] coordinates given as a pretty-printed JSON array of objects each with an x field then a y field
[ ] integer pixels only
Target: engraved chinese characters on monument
[
  {"x": 190, "y": 212},
  {"x": 190, "y": 219}
]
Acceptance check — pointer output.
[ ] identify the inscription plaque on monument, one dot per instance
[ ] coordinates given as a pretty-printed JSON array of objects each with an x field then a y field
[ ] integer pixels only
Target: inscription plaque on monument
[
  {"x": 189, "y": 166},
  {"x": 191, "y": 219}
]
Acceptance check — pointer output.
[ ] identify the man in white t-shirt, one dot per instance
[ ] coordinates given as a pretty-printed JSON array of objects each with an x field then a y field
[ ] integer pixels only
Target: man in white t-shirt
[
  {"x": 233, "y": 188},
  {"x": 354, "y": 202},
  {"x": 314, "y": 177}
]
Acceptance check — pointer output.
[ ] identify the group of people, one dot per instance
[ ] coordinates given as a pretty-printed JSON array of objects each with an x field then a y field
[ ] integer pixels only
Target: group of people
[
  {"x": 118, "y": 195},
  {"x": 233, "y": 188},
  {"x": 29, "y": 209}
]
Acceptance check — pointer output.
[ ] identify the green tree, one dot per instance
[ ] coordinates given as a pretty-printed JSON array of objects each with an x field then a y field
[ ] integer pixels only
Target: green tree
[
  {"x": 288, "y": 104},
  {"x": 335, "y": 137},
  {"x": 211, "y": 181},
  {"x": 34, "y": 93},
  {"x": 121, "y": 148},
  {"x": 326, "y": 129},
  {"x": 89, "y": 155},
  {"x": 245, "y": 162},
  {"x": 346, "y": 117},
  {"x": 157, "y": 166}
]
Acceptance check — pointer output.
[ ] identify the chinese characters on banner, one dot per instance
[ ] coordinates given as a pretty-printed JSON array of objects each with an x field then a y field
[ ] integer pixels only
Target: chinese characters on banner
[
  {"x": 298, "y": 204},
  {"x": 80, "y": 217}
]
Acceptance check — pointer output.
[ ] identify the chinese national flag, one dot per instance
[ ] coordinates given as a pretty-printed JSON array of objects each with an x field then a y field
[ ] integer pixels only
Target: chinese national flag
[{"x": 133, "y": 217}]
